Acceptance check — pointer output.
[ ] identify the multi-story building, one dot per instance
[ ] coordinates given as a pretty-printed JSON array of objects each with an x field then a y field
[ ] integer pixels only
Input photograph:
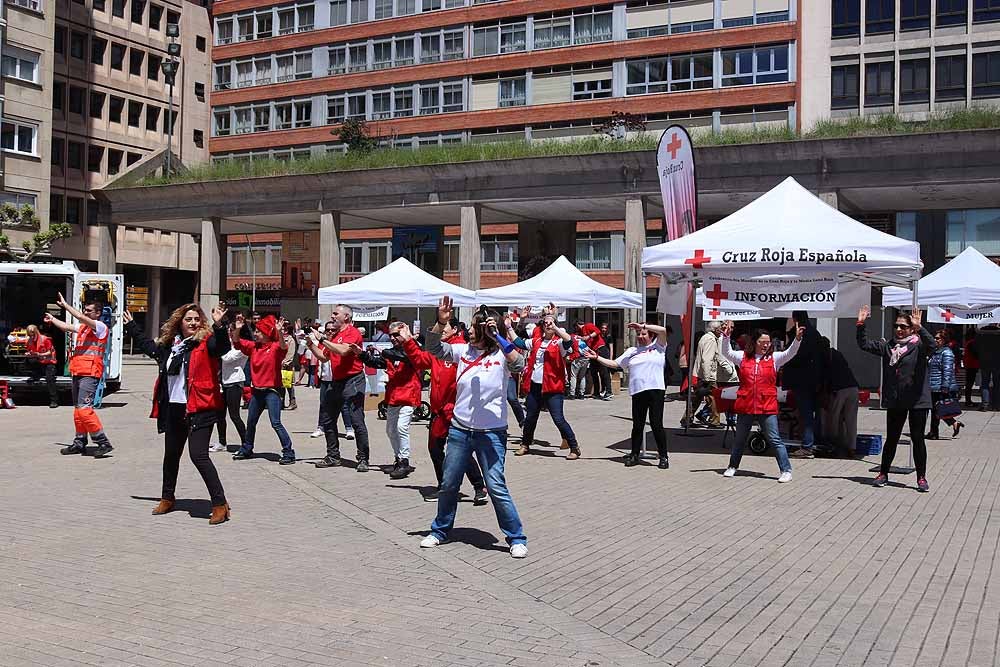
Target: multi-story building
[
  {"x": 438, "y": 71},
  {"x": 913, "y": 58},
  {"x": 26, "y": 88}
]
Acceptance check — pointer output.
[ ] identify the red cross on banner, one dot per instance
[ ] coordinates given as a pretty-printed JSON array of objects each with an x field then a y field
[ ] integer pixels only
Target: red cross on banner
[
  {"x": 717, "y": 295},
  {"x": 699, "y": 260},
  {"x": 674, "y": 146},
  {"x": 713, "y": 314},
  {"x": 947, "y": 315}
]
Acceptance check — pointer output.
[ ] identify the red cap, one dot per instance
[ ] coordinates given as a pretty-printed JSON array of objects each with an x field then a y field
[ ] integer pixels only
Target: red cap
[{"x": 266, "y": 326}]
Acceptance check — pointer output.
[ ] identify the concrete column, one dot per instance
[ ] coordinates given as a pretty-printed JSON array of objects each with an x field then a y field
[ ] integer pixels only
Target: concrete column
[
  {"x": 155, "y": 283},
  {"x": 829, "y": 198},
  {"x": 470, "y": 254},
  {"x": 635, "y": 241},
  {"x": 210, "y": 264},
  {"x": 107, "y": 248},
  {"x": 329, "y": 255}
]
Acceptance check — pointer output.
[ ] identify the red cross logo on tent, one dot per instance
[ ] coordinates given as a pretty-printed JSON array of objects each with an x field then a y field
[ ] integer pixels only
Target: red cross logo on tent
[
  {"x": 674, "y": 146},
  {"x": 717, "y": 295},
  {"x": 947, "y": 315},
  {"x": 699, "y": 260},
  {"x": 713, "y": 314}
]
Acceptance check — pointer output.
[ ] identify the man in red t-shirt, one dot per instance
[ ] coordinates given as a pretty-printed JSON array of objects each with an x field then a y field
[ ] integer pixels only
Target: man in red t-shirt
[
  {"x": 600, "y": 377},
  {"x": 42, "y": 355},
  {"x": 343, "y": 350}
]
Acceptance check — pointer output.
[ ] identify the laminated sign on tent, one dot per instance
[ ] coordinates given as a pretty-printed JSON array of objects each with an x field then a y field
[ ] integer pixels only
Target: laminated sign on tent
[
  {"x": 401, "y": 283},
  {"x": 564, "y": 284},
  {"x": 966, "y": 290}
]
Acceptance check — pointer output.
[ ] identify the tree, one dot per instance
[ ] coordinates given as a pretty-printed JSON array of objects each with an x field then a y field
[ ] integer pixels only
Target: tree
[
  {"x": 621, "y": 123},
  {"x": 355, "y": 134},
  {"x": 39, "y": 244}
]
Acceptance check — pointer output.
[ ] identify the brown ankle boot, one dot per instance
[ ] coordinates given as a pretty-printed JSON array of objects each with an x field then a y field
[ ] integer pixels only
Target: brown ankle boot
[
  {"x": 524, "y": 449},
  {"x": 163, "y": 507},
  {"x": 220, "y": 513}
]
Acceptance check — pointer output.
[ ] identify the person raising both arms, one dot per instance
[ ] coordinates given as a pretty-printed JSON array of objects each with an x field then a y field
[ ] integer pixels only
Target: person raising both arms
[
  {"x": 187, "y": 397},
  {"x": 646, "y": 386},
  {"x": 86, "y": 367},
  {"x": 479, "y": 423},
  {"x": 906, "y": 390},
  {"x": 757, "y": 397},
  {"x": 266, "y": 354},
  {"x": 544, "y": 382}
]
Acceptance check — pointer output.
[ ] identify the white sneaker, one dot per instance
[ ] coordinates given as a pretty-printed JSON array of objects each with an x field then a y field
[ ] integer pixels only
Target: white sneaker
[
  {"x": 349, "y": 434},
  {"x": 730, "y": 472},
  {"x": 429, "y": 542},
  {"x": 216, "y": 447},
  {"x": 518, "y": 550},
  {"x": 318, "y": 433},
  {"x": 784, "y": 477}
]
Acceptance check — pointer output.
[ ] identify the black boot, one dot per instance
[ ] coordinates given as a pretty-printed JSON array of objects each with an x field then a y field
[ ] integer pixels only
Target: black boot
[{"x": 401, "y": 470}]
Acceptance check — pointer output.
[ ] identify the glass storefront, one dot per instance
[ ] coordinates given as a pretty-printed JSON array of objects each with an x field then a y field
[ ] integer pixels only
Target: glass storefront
[{"x": 979, "y": 228}]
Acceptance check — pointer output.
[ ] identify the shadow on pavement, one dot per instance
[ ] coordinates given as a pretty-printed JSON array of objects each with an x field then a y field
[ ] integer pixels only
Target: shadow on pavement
[
  {"x": 739, "y": 473},
  {"x": 472, "y": 536},
  {"x": 866, "y": 481},
  {"x": 196, "y": 509}
]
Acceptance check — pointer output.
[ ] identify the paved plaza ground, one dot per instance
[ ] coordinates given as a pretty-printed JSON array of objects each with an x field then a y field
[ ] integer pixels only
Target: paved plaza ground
[{"x": 627, "y": 566}]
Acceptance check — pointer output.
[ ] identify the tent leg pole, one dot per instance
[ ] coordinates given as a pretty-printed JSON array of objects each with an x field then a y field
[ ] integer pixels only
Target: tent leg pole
[{"x": 690, "y": 356}]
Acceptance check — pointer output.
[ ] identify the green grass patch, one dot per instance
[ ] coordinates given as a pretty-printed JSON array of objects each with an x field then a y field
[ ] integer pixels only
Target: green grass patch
[{"x": 881, "y": 125}]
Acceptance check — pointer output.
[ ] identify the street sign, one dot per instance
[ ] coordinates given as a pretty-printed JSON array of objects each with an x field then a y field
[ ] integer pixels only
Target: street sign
[{"x": 137, "y": 299}]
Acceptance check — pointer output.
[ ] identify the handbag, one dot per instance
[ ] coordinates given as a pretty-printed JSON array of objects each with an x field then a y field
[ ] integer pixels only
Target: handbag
[
  {"x": 287, "y": 377},
  {"x": 947, "y": 408}
]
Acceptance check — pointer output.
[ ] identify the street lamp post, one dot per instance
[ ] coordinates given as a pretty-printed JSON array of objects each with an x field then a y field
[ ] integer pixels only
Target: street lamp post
[{"x": 170, "y": 66}]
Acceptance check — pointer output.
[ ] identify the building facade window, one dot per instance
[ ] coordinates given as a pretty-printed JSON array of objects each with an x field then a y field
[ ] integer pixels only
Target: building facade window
[
  {"x": 498, "y": 253},
  {"x": 914, "y": 14},
  {"x": 18, "y": 137},
  {"x": 595, "y": 250},
  {"x": 513, "y": 92},
  {"x": 509, "y": 36},
  {"x": 985, "y": 11},
  {"x": 744, "y": 67},
  {"x": 845, "y": 87},
  {"x": 979, "y": 228},
  {"x": 451, "y": 249},
  {"x": 950, "y": 78},
  {"x": 364, "y": 257},
  {"x": 879, "y": 84},
  {"x": 19, "y": 199},
  {"x": 880, "y": 16},
  {"x": 19, "y": 64},
  {"x": 257, "y": 259},
  {"x": 592, "y": 89},
  {"x": 986, "y": 75},
  {"x": 915, "y": 80},
  {"x": 552, "y": 32},
  {"x": 687, "y": 71},
  {"x": 592, "y": 25},
  {"x": 951, "y": 12}
]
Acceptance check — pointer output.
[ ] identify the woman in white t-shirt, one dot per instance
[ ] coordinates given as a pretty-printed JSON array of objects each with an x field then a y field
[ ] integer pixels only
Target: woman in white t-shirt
[
  {"x": 479, "y": 424},
  {"x": 644, "y": 364}
]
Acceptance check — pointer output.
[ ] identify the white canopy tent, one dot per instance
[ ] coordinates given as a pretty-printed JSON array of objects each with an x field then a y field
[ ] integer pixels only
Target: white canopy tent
[
  {"x": 968, "y": 280},
  {"x": 563, "y": 284},
  {"x": 401, "y": 283},
  {"x": 790, "y": 231}
]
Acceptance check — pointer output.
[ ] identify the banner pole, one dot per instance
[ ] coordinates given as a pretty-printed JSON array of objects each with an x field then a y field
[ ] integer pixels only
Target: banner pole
[{"x": 690, "y": 355}]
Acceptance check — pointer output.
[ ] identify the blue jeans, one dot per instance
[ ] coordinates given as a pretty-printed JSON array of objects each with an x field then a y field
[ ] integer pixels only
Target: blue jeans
[
  {"x": 514, "y": 401},
  {"x": 490, "y": 448},
  {"x": 261, "y": 399},
  {"x": 554, "y": 402},
  {"x": 989, "y": 379},
  {"x": 769, "y": 429},
  {"x": 808, "y": 404}
]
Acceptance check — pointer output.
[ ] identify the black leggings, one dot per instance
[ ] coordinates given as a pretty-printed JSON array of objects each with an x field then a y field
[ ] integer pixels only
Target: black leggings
[
  {"x": 895, "y": 419},
  {"x": 233, "y": 394},
  {"x": 651, "y": 401},
  {"x": 179, "y": 432}
]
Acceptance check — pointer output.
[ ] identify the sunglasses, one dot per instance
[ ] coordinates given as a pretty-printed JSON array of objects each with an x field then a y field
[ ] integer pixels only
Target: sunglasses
[{"x": 901, "y": 326}]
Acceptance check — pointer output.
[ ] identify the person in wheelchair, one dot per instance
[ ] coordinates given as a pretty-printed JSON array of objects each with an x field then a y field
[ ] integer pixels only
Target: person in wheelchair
[{"x": 757, "y": 397}]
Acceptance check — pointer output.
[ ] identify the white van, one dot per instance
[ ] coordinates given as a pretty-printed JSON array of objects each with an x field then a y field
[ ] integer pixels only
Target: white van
[{"x": 28, "y": 291}]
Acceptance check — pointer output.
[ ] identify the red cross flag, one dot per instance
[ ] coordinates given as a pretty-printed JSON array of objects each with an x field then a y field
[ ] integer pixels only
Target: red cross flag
[{"x": 675, "y": 167}]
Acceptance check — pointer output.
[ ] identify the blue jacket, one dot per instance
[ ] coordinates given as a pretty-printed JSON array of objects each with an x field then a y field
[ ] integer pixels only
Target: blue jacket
[{"x": 941, "y": 370}]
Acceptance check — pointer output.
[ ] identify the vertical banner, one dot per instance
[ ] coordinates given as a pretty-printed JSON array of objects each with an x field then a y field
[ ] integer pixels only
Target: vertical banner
[
  {"x": 679, "y": 190},
  {"x": 678, "y": 186}
]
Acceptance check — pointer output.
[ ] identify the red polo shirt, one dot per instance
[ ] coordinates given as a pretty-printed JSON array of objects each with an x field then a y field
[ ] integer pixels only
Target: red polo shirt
[
  {"x": 344, "y": 366},
  {"x": 595, "y": 343}
]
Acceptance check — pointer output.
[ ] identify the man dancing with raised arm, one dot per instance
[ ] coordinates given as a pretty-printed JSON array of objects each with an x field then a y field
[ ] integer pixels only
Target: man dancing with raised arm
[{"x": 86, "y": 366}]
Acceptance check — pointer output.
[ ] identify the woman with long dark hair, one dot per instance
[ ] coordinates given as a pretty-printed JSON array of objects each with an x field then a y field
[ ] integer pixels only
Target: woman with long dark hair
[
  {"x": 906, "y": 392},
  {"x": 479, "y": 421},
  {"x": 757, "y": 396},
  {"x": 187, "y": 398}
]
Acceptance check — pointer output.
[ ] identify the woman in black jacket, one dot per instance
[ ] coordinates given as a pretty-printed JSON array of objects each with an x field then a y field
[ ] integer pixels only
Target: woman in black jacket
[
  {"x": 187, "y": 397},
  {"x": 906, "y": 392}
]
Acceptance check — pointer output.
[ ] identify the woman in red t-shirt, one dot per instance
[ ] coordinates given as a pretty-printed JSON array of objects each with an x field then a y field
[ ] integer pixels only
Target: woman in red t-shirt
[{"x": 266, "y": 354}]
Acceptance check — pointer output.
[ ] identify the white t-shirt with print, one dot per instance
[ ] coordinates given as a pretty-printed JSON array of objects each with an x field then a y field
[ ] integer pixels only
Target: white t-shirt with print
[
  {"x": 645, "y": 367},
  {"x": 481, "y": 398},
  {"x": 538, "y": 370}
]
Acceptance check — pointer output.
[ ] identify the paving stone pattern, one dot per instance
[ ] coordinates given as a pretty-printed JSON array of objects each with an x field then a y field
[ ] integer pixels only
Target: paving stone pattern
[{"x": 626, "y": 567}]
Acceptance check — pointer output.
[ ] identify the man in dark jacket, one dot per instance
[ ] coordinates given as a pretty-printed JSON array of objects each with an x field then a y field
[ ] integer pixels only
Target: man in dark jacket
[
  {"x": 804, "y": 376},
  {"x": 988, "y": 347}
]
